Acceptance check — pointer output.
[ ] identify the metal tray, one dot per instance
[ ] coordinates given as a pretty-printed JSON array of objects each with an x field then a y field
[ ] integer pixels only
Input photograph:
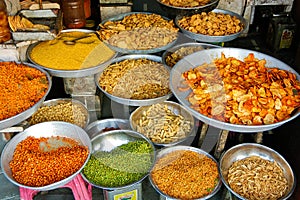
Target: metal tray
[
  {"x": 207, "y": 56},
  {"x": 6, "y": 123},
  {"x": 133, "y": 102},
  {"x": 136, "y": 51},
  {"x": 173, "y": 11},
  {"x": 45, "y": 129},
  {"x": 71, "y": 73},
  {"x": 212, "y": 39}
]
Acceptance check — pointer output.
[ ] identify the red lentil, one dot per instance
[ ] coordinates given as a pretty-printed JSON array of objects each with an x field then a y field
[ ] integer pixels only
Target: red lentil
[
  {"x": 35, "y": 167},
  {"x": 21, "y": 87}
]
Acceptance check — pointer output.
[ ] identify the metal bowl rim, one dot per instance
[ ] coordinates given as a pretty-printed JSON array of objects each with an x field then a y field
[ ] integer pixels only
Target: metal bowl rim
[
  {"x": 27, "y": 113},
  {"x": 173, "y": 104},
  {"x": 174, "y": 48},
  {"x": 189, "y": 8},
  {"x": 211, "y": 38},
  {"x": 137, "y": 51},
  {"x": 134, "y": 102},
  {"x": 190, "y": 148},
  {"x": 70, "y": 73},
  {"x": 125, "y": 132},
  {"x": 58, "y": 183},
  {"x": 235, "y": 127},
  {"x": 58, "y": 100},
  {"x": 236, "y": 148}
]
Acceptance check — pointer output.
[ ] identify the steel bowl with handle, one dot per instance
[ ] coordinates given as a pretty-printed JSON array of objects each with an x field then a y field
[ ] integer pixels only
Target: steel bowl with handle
[{"x": 207, "y": 56}]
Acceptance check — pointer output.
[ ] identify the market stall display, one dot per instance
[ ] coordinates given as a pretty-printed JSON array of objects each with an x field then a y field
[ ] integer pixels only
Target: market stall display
[
  {"x": 24, "y": 87},
  {"x": 237, "y": 96},
  {"x": 184, "y": 172},
  {"x": 135, "y": 80},
  {"x": 165, "y": 124},
  {"x": 254, "y": 171},
  {"x": 101, "y": 126},
  {"x": 67, "y": 110},
  {"x": 174, "y": 8},
  {"x": 214, "y": 26},
  {"x": 119, "y": 159},
  {"x": 46, "y": 140},
  {"x": 73, "y": 53},
  {"x": 138, "y": 33},
  {"x": 172, "y": 55}
]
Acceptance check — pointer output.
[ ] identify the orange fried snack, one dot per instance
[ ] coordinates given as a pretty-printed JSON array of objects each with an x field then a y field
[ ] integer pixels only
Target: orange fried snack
[{"x": 242, "y": 92}]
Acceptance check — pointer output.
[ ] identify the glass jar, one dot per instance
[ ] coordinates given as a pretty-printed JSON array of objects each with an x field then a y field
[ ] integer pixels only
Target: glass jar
[
  {"x": 73, "y": 13},
  {"x": 5, "y": 34}
]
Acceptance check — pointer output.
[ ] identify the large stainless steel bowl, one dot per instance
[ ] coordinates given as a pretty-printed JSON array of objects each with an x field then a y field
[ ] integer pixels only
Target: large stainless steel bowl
[
  {"x": 166, "y": 151},
  {"x": 71, "y": 73},
  {"x": 213, "y": 39},
  {"x": 45, "y": 129},
  {"x": 136, "y": 51},
  {"x": 207, "y": 56},
  {"x": 100, "y": 126},
  {"x": 6, "y": 123},
  {"x": 246, "y": 150},
  {"x": 110, "y": 140},
  {"x": 134, "y": 102},
  {"x": 176, "y": 109},
  {"x": 173, "y": 11}
]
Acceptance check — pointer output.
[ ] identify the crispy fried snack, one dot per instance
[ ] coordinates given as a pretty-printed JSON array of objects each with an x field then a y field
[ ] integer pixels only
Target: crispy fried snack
[{"x": 242, "y": 92}]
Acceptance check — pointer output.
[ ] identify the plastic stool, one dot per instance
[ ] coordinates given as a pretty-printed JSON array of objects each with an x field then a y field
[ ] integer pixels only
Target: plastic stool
[{"x": 80, "y": 189}]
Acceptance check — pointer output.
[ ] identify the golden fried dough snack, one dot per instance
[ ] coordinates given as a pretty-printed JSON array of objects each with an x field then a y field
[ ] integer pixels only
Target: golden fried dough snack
[
  {"x": 185, "y": 3},
  {"x": 139, "y": 31},
  {"x": 242, "y": 92},
  {"x": 211, "y": 23}
]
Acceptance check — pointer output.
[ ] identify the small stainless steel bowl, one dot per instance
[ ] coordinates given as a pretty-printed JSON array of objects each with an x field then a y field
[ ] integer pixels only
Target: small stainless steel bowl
[
  {"x": 81, "y": 106},
  {"x": 184, "y": 49},
  {"x": 173, "y": 11},
  {"x": 45, "y": 129},
  {"x": 101, "y": 126},
  {"x": 176, "y": 109},
  {"x": 166, "y": 151},
  {"x": 246, "y": 150},
  {"x": 110, "y": 140}
]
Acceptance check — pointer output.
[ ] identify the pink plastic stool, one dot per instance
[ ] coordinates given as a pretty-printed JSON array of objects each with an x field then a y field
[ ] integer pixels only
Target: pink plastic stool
[{"x": 80, "y": 189}]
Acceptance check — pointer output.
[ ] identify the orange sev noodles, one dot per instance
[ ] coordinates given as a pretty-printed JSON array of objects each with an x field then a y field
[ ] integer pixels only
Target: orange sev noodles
[
  {"x": 21, "y": 87},
  {"x": 185, "y": 174}
]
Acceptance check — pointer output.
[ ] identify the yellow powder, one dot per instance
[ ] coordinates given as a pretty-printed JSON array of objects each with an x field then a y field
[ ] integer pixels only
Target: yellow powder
[{"x": 87, "y": 52}]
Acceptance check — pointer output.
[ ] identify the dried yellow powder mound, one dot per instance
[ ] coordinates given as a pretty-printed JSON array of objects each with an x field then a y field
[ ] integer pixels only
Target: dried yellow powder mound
[{"x": 87, "y": 52}]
